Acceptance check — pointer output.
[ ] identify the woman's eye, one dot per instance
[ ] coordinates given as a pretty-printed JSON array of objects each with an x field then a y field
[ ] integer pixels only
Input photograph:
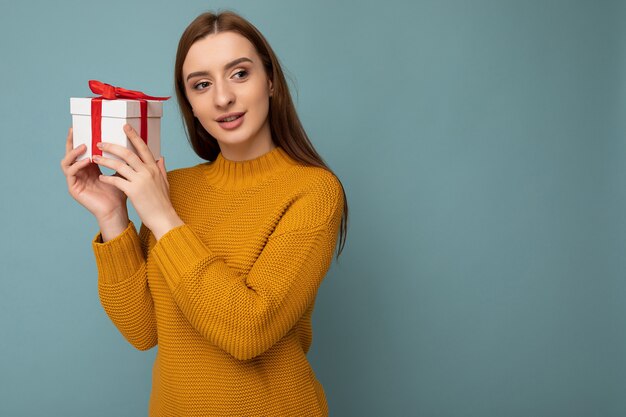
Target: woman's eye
[
  {"x": 244, "y": 72},
  {"x": 205, "y": 83}
]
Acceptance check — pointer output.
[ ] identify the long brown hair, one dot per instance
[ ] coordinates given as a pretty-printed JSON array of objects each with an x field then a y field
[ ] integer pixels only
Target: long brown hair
[{"x": 286, "y": 129}]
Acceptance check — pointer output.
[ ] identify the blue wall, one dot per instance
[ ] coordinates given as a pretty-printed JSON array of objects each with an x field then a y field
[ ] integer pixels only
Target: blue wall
[{"x": 481, "y": 145}]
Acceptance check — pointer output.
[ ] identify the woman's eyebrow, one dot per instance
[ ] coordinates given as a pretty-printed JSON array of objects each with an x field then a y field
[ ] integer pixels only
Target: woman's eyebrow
[{"x": 227, "y": 66}]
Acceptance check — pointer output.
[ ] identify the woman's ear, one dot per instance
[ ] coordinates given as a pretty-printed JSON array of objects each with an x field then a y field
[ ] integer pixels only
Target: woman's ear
[{"x": 270, "y": 87}]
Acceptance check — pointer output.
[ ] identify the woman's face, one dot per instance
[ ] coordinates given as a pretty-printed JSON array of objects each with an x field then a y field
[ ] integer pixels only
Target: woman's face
[{"x": 223, "y": 74}]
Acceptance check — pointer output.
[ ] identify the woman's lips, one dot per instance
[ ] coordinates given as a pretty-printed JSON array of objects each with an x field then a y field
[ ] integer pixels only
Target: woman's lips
[{"x": 233, "y": 124}]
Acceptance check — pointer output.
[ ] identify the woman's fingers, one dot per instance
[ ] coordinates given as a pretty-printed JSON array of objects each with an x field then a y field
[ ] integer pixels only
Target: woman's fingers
[
  {"x": 125, "y": 154},
  {"x": 137, "y": 161},
  {"x": 76, "y": 166},
  {"x": 118, "y": 182},
  {"x": 118, "y": 166},
  {"x": 72, "y": 170},
  {"x": 71, "y": 156},
  {"x": 161, "y": 165},
  {"x": 68, "y": 148},
  {"x": 142, "y": 149},
  {"x": 68, "y": 142}
]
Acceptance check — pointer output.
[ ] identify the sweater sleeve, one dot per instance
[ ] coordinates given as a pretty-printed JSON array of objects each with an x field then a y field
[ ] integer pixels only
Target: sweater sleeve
[
  {"x": 123, "y": 285},
  {"x": 246, "y": 314}
]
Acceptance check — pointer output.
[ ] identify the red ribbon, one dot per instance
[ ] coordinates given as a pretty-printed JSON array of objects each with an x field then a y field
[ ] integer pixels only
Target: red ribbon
[{"x": 109, "y": 92}]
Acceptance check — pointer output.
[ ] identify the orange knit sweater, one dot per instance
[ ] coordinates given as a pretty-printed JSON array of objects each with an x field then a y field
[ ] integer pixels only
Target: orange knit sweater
[{"x": 228, "y": 296}]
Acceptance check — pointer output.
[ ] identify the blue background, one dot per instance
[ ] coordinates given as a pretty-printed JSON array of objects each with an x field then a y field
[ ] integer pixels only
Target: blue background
[{"x": 482, "y": 148}]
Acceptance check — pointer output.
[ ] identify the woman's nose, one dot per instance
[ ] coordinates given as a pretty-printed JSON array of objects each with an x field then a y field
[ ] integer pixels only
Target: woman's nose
[{"x": 224, "y": 95}]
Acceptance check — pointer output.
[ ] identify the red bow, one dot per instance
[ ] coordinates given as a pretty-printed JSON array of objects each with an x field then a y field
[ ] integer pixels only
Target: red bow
[{"x": 109, "y": 92}]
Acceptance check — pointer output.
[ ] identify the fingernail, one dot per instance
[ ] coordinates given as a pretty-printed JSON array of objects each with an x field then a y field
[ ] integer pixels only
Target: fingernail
[
  {"x": 99, "y": 145},
  {"x": 96, "y": 157}
]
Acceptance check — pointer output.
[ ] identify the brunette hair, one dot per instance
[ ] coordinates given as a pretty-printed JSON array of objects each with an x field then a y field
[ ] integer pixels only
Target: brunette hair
[{"x": 286, "y": 129}]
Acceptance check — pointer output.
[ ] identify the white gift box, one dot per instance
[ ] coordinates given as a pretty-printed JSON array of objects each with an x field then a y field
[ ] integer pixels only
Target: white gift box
[{"x": 115, "y": 114}]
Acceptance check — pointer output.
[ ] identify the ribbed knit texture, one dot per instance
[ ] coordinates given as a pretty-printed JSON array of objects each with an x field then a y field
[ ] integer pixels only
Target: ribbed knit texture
[{"x": 228, "y": 296}]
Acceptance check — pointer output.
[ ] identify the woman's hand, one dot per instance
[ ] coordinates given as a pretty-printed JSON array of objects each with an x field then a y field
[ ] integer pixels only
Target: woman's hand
[
  {"x": 104, "y": 201},
  {"x": 143, "y": 180}
]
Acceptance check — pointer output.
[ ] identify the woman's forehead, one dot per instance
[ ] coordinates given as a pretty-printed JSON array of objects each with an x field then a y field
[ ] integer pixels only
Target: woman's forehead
[{"x": 216, "y": 50}]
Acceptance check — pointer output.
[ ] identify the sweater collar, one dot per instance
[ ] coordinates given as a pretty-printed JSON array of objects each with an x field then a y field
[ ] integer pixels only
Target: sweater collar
[{"x": 233, "y": 175}]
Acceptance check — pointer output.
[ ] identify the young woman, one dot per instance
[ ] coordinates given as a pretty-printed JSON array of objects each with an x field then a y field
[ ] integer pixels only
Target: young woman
[{"x": 224, "y": 271}]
